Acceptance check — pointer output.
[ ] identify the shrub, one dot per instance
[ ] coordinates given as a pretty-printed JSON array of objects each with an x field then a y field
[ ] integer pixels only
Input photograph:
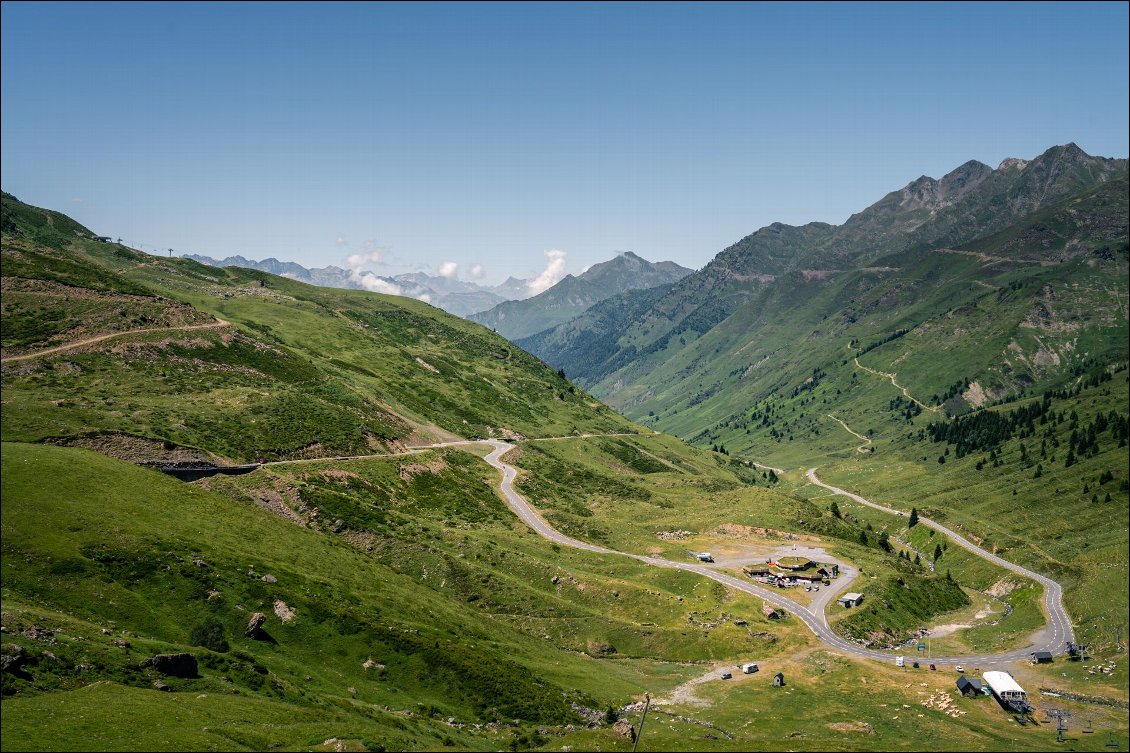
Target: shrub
[{"x": 210, "y": 635}]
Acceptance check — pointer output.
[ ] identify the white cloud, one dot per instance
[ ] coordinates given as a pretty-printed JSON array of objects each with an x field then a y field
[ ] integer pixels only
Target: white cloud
[
  {"x": 368, "y": 280},
  {"x": 371, "y": 282},
  {"x": 424, "y": 297},
  {"x": 356, "y": 261},
  {"x": 448, "y": 269},
  {"x": 341, "y": 241},
  {"x": 552, "y": 274},
  {"x": 477, "y": 271}
]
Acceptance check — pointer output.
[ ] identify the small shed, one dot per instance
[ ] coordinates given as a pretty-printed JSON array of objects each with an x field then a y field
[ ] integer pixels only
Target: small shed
[
  {"x": 779, "y": 680},
  {"x": 850, "y": 600},
  {"x": 755, "y": 571},
  {"x": 1041, "y": 657},
  {"x": 968, "y": 687},
  {"x": 770, "y": 613}
]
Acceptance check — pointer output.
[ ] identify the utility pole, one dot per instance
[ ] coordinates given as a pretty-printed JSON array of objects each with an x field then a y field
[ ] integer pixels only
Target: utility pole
[{"x": 646, "y": 705}]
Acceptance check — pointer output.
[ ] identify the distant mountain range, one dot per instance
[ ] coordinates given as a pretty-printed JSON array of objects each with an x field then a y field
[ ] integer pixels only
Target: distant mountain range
[
  {"x": 506, "y": 307},
  {"x": 576, "y": 294},
  {"x": 447, "y": 293}
]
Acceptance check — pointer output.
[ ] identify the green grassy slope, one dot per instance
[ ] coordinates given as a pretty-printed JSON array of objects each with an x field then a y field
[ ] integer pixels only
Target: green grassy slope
[
  {"x": 418, "y": 596},
  {"x": 302, "y": 371},
  {"x": 92, "y": 545}
]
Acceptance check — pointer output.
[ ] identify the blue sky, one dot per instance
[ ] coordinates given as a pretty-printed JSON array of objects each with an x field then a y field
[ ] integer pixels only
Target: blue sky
[{"x": 490, "y": 134}]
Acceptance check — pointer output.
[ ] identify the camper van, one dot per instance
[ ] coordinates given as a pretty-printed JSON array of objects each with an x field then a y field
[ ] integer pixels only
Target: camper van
[{"x": 750, "y": 668}]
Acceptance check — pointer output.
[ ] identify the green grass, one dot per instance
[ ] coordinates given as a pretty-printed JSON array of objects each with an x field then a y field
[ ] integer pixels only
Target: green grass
[
  {"x": 305, "y": 372},
  {"x": 415, "y": 563}
]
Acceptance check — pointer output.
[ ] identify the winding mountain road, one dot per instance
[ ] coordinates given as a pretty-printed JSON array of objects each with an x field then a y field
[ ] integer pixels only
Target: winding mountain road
[
  {"x": 1058, "y": 629},
  {"x": 1051, "y": 638}
]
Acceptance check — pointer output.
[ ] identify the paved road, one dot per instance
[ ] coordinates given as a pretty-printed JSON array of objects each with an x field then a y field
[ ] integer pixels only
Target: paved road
[
  {"x": 814, "y": 617},
  {"x": 1058, "y": 630}
]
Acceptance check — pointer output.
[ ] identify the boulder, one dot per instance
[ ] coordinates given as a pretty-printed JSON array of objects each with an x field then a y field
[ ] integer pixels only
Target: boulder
[
  {"x": 175, "y": 665},
  {"x": 624, "y": 729},
  {"x": 14, "y": 657},
  {"x": 255, "y": 625},
  {"x": 598, "y": 649},
  {"x": 270, "y": 579}
]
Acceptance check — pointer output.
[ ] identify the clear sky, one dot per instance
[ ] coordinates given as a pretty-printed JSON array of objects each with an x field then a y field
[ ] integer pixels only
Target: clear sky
[{"x": 490, "y": 134}]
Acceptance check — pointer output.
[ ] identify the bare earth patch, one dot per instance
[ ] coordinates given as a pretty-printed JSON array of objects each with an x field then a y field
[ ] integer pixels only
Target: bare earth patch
[
  {"x": 139, "y": 449},
  {"x": 427, "y": 365},
  {"x": 337, "y": 474},
  {"x": 861, "y": 727},
  {"x": 272, "y": 501},
  {"x": 975, "y": 396},
  {"x": 409, "y": 471},
  {"x": 1002, "y": 587},
  {"x": 285, "y": 613},
  {"x": 736, "y": 530}
]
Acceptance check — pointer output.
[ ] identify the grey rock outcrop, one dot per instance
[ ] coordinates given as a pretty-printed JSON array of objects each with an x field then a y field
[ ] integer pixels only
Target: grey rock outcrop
[{"x": 174, "y": 665}]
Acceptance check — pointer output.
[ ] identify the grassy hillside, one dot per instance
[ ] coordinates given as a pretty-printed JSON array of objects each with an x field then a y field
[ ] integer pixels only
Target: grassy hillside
[
  {"x": 300, "y": 371},
  {"x": 406, "y": 607}
]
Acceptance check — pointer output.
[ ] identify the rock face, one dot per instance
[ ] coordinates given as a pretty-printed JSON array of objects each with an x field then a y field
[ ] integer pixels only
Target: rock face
[
  {"x": 255, "y": 625},
  {"x": 625, "y": 729},
  {"x": 175, "y": 665},
  {"x": 597, "y": 649},
  {"x": 14, "y": 657}
]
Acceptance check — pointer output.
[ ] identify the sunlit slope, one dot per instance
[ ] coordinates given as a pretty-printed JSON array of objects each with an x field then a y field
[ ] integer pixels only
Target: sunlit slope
[{"x": 297, "y": 370}]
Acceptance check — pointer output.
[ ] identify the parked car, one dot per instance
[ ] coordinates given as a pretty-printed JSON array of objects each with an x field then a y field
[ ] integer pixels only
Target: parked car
[
  {"x": 933, "y": 668},
  {"x": 959, "y": 668},
  {"x": 726, "y": 675}
]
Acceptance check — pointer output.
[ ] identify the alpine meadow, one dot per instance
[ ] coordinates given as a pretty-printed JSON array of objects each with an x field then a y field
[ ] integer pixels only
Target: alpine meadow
[{"x": 480, "y": 416}]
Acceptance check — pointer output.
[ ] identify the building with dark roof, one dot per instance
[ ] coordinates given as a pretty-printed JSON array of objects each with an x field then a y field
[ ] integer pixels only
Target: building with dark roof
[{"x": 969, "y": 687}]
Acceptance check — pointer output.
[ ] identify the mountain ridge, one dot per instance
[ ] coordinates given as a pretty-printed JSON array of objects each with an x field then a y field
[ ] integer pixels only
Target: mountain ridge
[
  {"x": 452, "y": 295},
  {"x": 575, "y": 293},
  {"x": 898, "y": 231}
]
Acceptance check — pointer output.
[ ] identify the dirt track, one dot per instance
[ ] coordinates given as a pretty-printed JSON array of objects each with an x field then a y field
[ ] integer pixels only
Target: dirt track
[{"x": 100, "y": 338}]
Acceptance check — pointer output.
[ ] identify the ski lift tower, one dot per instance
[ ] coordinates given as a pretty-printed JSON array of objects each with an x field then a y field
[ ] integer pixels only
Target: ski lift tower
[{"x": 1061, "y": 716}]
